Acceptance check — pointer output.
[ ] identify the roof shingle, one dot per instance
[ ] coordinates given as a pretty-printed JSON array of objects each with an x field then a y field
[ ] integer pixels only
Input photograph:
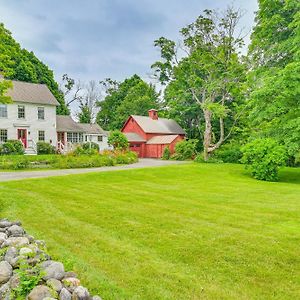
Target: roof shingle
[
  {"x": 162, "y": 125},
  {"x": 162, "y": 139},
  {"x": 31, "y": 93}
]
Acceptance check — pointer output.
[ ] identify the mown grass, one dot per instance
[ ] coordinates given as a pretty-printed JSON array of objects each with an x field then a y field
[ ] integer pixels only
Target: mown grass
[{"x": 196, "y": 231}]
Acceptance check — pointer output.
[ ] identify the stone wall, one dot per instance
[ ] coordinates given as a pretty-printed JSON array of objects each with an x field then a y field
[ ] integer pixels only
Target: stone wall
[{"x": 27, "y": 271}]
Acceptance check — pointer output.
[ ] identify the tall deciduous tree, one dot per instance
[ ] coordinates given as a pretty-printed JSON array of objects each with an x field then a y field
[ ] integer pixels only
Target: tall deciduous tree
[
  {"x": 274, "y": 57},
  {"x": 4, "y": 86},
  {"x": 20, "y": 64},
  {"x": 210, "y": 74},
  {"x": 132, "y": 96}
]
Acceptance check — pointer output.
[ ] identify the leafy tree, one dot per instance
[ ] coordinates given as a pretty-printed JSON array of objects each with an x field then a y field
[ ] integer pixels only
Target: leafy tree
[
  {"x": 20, "y": 64},
  {"x": 185, "y": 149},
  {"x": 118, "y": 140},
  {"x": 132, "y": 96},
  {"x": 4, "y": 86},
  {"x": 264, "y": 157},
  {"x": 275, "y": 73},
  {"x": 210, "y": 75}
]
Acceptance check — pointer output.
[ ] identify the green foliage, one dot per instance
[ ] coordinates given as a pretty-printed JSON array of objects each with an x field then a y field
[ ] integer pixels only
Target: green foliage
[
  {"x": 19, "y": 64},
  {"x": 12, "y": 147},
  {"x": 185, "y": 149},
  {"x": 85, "y": 114},
  {"x": 274, "y": 80},
  {"x": 29, "y": 277},
  {"x": 4, "y": 86},
  {"x": 131, "y": 97},
  {"x": 45, "y": 148},
  {"x": 72, "y": 160},
  {"x": 212, "y": 159},
  {"x": 166, "y": 154},
  {"x": 209, "y": 81},
  {"x": 264, "y": 157},
  {"x": 118, "y": 140},
  {"x": 80, "y": 150},
  {"x": 90, "y": 145},
  {"x": 229, "y": 153}
]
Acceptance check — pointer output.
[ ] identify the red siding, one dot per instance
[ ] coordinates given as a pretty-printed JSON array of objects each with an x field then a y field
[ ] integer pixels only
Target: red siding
[{"x": 143, "y": 150}]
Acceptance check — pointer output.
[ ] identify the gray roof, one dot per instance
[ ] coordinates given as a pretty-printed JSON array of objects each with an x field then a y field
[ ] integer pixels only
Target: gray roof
[
  {"x": 134, "y": 137},
  {"x": 162, "y": 125},
  {"x": 92, "y": 129},
  {"x": 67, "y": 124},
  {"x": 162, "y": 139},
  {"x": 31, "y": 93}
]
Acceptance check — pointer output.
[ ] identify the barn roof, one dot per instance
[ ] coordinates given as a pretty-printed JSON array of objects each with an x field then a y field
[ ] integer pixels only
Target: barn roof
[
  {"x": 92, "y": 128},
  {"x": 162, "y": 125},
  {"x": 162, "y": 139},
  {"x": 134, "y": 137},
  {"x": 67, "y": 124},
  {"x": 31, "y": 93}
]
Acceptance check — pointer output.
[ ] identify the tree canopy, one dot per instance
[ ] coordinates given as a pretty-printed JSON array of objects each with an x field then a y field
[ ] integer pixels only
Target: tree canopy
[
  {"x": 274, "y": 80},
  {"x": 132, "y": 96},
  {"x": 20, "y": 64},
  {"x": 207, "y": 83}
]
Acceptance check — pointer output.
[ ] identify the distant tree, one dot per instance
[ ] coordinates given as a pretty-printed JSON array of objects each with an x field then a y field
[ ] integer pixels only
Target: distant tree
[
  {"x": 87, "y": 106},
  {"x": 73, "y": 91},
  {"x": 210, "y": 75},
  {"x": 132, "y": 96}
]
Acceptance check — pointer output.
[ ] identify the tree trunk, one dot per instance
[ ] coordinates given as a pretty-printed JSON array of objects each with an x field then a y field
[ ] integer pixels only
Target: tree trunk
[{"x": 207, "y": 133}]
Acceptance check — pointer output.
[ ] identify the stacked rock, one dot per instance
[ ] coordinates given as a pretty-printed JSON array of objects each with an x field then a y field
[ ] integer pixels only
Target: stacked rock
[{"x": 23, "y": 257}]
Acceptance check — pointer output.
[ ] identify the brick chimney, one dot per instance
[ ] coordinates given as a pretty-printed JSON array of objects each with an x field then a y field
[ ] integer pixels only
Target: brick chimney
[{"x": 153, "y": 114}]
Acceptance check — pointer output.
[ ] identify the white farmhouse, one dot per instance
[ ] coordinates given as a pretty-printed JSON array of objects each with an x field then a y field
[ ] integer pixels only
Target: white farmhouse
[{"x": 32, "y": 118}]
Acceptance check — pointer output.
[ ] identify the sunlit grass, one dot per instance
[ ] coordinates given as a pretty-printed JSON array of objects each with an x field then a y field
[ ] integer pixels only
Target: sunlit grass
[{"x": 196, "y": 231}]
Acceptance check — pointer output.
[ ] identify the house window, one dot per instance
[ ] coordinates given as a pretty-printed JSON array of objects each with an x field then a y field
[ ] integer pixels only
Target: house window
[
  {"x": 75, "y": 137},
  {"x": 21, "y": 112},
  {"x": 3, "y": 135},
  {"x": 41, "y": 136},
  {"x": 3, "y": 111},
  {"x": 100, "y": 138},
  {"x": 41, "y": 113}
]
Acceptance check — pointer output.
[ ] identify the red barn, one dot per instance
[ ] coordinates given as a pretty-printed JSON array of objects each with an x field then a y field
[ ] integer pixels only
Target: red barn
[{"x": 148, "y": 136}]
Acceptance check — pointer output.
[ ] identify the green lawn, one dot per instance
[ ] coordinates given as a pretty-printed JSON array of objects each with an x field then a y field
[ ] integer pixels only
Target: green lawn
[{"x": 195, "y": 231}]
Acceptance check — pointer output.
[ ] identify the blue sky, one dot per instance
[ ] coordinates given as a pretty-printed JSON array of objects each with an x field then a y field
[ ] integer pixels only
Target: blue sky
[{"x": 96, "y": 39}]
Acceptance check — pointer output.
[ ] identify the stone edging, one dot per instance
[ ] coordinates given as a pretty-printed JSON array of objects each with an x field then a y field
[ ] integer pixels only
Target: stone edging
[{"x": 27, "y": 271}]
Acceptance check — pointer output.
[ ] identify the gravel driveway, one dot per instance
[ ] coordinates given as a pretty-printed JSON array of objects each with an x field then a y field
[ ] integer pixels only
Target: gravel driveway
[{"x": 143, "y": 163}]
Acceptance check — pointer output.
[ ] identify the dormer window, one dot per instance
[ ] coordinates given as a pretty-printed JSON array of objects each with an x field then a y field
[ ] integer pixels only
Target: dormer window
[
  {"x": 41, "y": 113},
  {"x": 21, "y": 112},
  {"x": 3, "y": 111}
]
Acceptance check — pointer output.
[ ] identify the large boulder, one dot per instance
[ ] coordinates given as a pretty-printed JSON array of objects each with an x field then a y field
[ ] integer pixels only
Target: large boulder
[
  {"x": 5, "y": 271},
  {"x": 71, "y": 283},
  {"x": 16, "y": 241},
  {"x": 40, "y": 292},
  {"x": 65, "y": 294},
  {"x": 11, "y": 256},
  {"x": 15, "y": 230},
  {"x": 54, "y": 270},
  {"x": 80, "y": 293},
  {"x": 54, "y": 284}
]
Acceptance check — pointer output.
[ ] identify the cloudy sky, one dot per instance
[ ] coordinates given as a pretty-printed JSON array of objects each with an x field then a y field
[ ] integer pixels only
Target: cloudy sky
[{"x": 96, "y": 39}]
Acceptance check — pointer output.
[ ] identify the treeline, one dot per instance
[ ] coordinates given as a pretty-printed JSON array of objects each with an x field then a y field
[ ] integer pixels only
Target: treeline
[{"x": 222, "y": 99}]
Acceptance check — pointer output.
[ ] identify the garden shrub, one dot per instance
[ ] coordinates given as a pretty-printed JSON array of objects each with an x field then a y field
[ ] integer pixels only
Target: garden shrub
[
  {"x": 45, "y": 148},
  {"x": 200, "y": 159},
  {"x": 264, "y": 157},
  {"x": 229, "y": 153},
  {"x": 12, "y": 147},
  {"x": 83, "y": 151},
  {"x": 125, "y": 157},
  {"x": 166, "y": 154},
  {"x": 90, "y": 145},
  {"x": 185, "y": 149},
  {"x": 118, "y": 140}
]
